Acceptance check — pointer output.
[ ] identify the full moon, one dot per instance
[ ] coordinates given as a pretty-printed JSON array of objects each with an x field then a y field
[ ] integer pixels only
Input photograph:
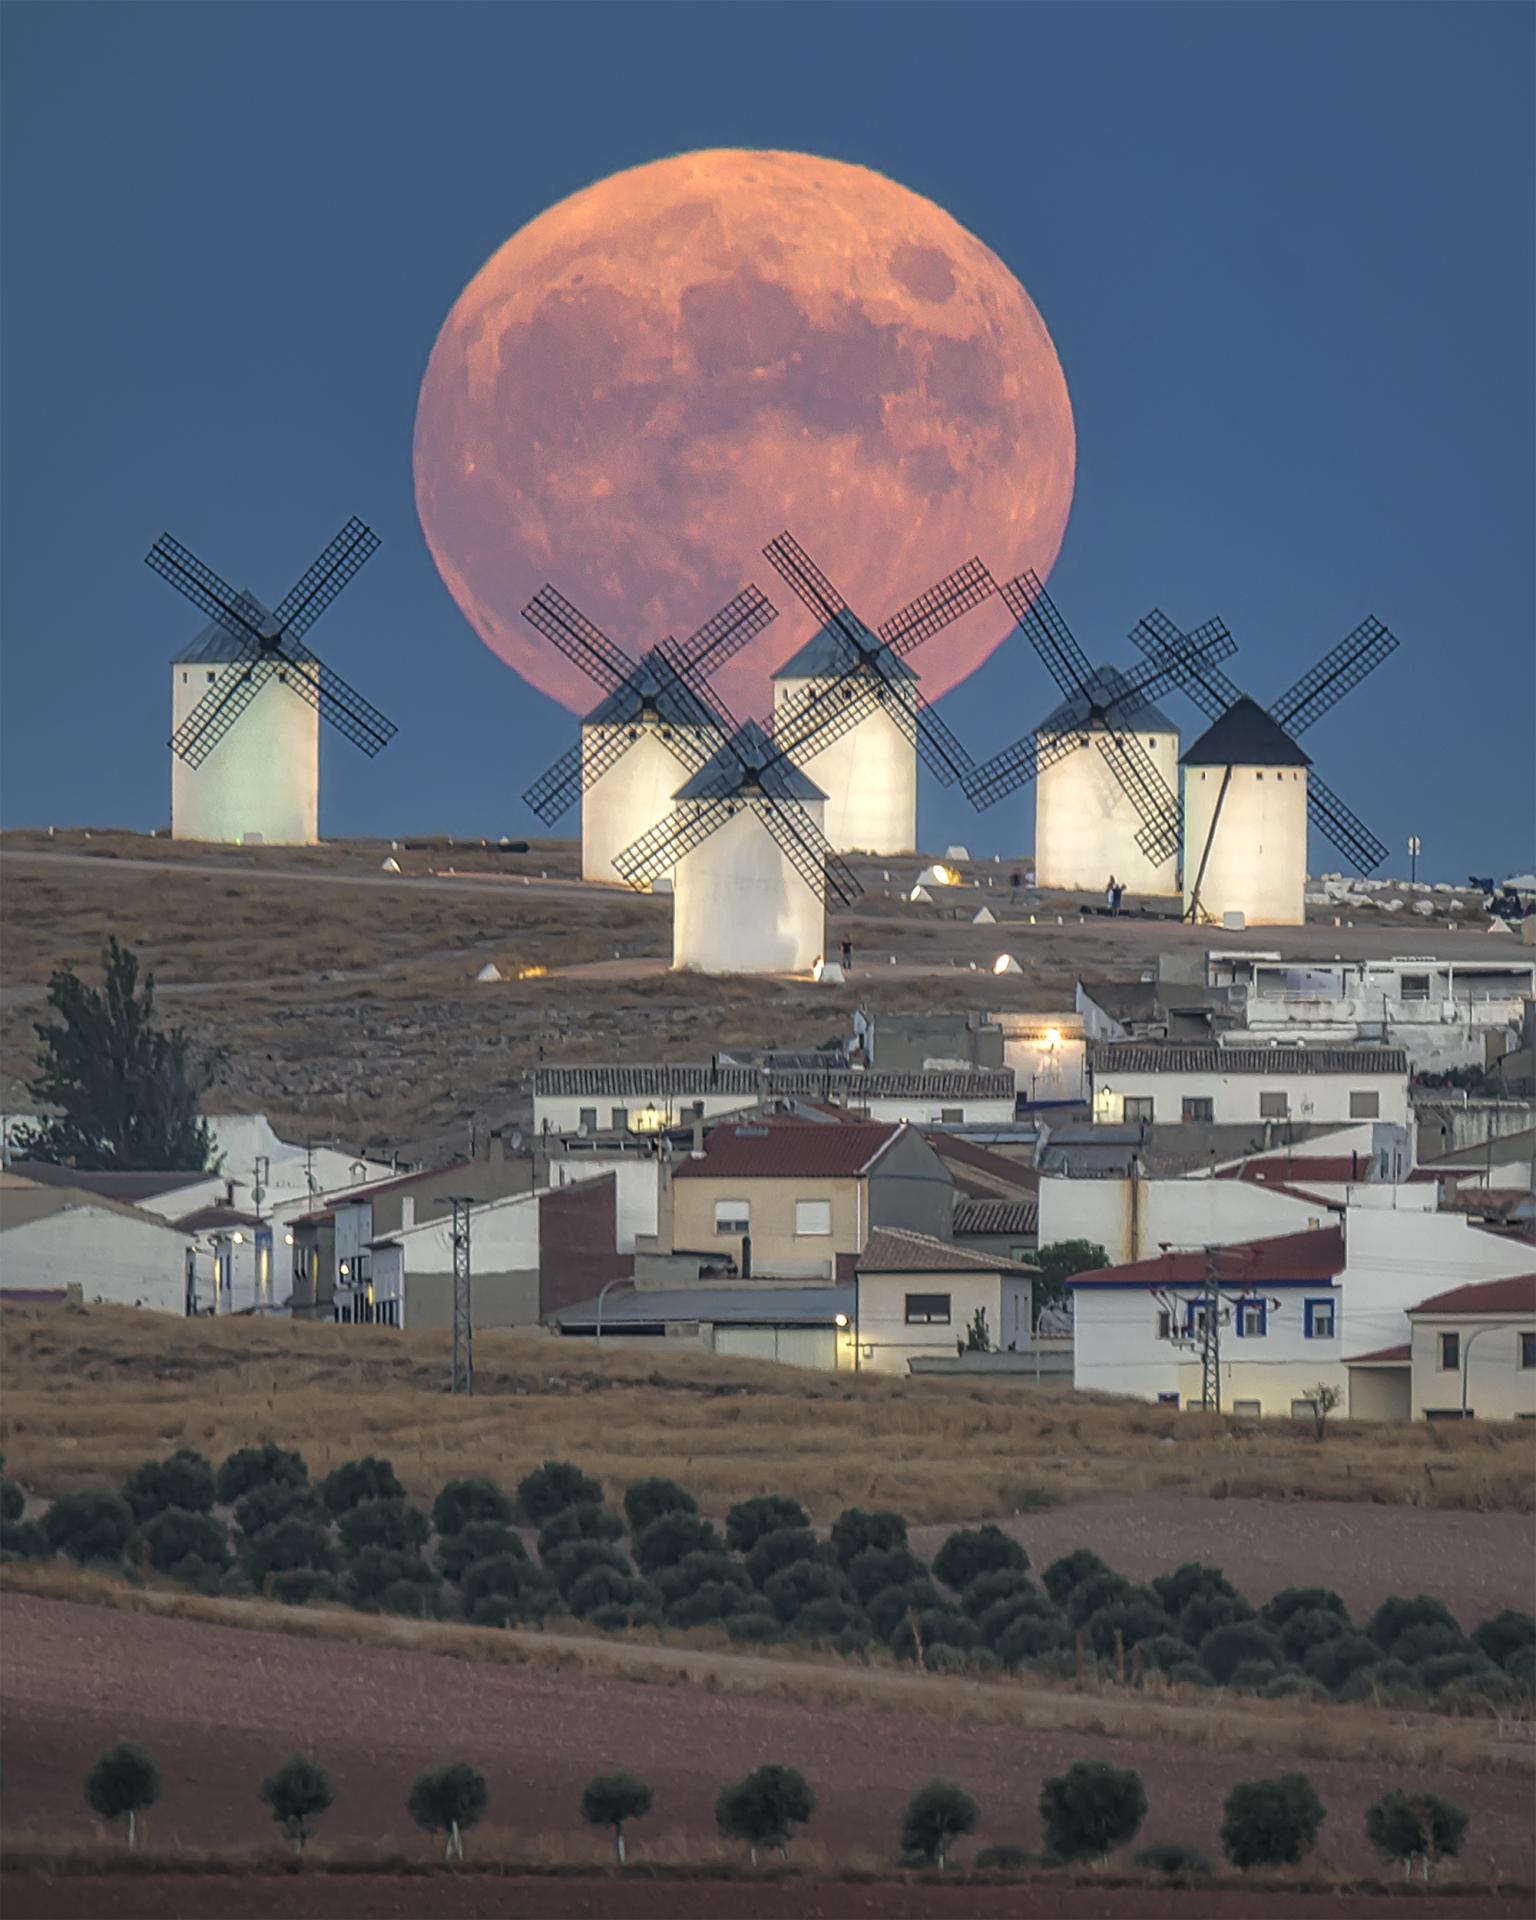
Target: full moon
[{"x": 652, "y": 379}]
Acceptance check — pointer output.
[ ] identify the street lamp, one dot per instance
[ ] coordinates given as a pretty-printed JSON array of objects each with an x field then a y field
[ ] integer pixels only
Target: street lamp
[
  {"x": 1503, "y": 1326},
  {"x": 602, "y": 1296}
]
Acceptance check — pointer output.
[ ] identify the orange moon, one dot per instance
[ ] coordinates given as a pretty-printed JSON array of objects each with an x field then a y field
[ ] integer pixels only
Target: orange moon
[{"x": 652, "y": 379}]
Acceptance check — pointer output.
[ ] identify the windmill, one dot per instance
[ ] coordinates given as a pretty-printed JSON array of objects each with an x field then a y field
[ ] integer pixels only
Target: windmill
[
  {"x": 751, "y": 865},
  {"x": 1249, "y": 788},
  {"x": 657, "y": 723},
  {"x": 1105, "y": 760},
  {"x": 850, "y": 702},
  {"x": 251, "y": 670}
]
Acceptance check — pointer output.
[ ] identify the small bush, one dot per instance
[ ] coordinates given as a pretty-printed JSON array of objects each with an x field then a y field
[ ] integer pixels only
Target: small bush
[
  {"x": 1032, "y": 1637},
  {"x": 588, "y": 1521},
  {"x": 1134, "y": 1621},
  {"x": 831, "y": 1619},
  {"x": 764, "y": 1809},
  {"x": 1003, "y": 1857},
  {"x": 1252, "y": 1676},
  {"x": 602, "y": 1586},
  {"x": 1200, "y": 1617},
  {"x": 1234, "y": 1646},
  {"x": 1164, "y": 1651},
  {"x": 23, "y": 1540},
  {"x": 374, "y": 1570},
  {"x": 774, "y": 1551},
  {"x": 856, "y": 1531},
  {"x": 1000, "y": 1616},
  {"x": 1173, "y": 1858},
  {"x": 665, "y": 1541},
  {"x": 357, "y": 1480},
  {"x": 1410, "y": 1826},
  {"x": 648, "y": 1500},
  {"x": 463, "y": 1503},
  {"x": 534, "y": 1601},
  {"x": 89, "y": 1526},
  {"x": 505, "y": 1575},
  {"x": 1394, "y": 1617},
  {"x": 173, "y": 1535},
  {"x": 970, "y": 1552},
  {"x": 617, "y": 1615},
  {"x": 1311, "y": 1627},
  {"x": 1293, "y": 1600},
  {"x": 877, "y": 1568},
  {"x": 299, "y": 1585},
  {"x": 1444, "y": 1669},
  {"x": 802, "y": 1581},
  {"x": 297, "y": 1794},
  {"x": 937, "y": 1814},
  {"x": 184, "y": 1479},
  {"x": 399, "y": 1525},
  {"x": 936, "y": 1627},
  {"x": 987, "y": 1589},
  {"x": 123, "y": 1782},
  {"x": 298, "y": 1541},
  {"x": 1507, "y": 1633},
  {"x": 567, "y": 1564},
  {"x": 697, "y": 1570},
  {"x": 888, "y": 1608},
  {"x": 713, "y": 1601},
  {"x": 1091, "y": 1809},
  {"x": 1293, "y": 1686},
  {"x": 1417, "y": 1644},
  {"x": 755, "y": 1623},
  {"x": 1192, "y": 1581},
  {"x": 449, "y": 1799},
  {"x": 549, "y": 1489},
  {"x": 477, "y": 1540},
  {"x": 1271, "y": 1823},
  {"x": 279, "y": 1500},
  {"x": 412, "y": 1599},
  {"x": 268, "y": 1465},
  {"x": 612, "y": 1800},
  {"x": 13, "y": 1502},
  {"x": 749, "y": 1520},
  {"x": 1062, "y": 1576}
]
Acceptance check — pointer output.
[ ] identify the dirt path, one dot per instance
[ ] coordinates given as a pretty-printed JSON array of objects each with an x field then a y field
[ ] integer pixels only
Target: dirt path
[{"x": 219, "y": 1707}]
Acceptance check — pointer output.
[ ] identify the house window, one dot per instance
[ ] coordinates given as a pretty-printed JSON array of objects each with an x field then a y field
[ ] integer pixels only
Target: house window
[
  {"x": 927, "y": 1309},
  {"x": 733, "y": 1216},
  {"x": 1164, "y": 1324},
  {"x": 1139, "y": 1108},
  {"x": 588, "y": 1120},
  {"x": 1415, "y": 986},
  {"x": 1167, "y": 1399},
  {"x": 1318, "y": 1320},
  {"x": 1527, "y": 1351},
  {"x": 813, "y": 1216},
  {"x": 1274, "y": 1106},
  {"x": 1197, "y": 1109},
  {"x": 1195, "y": 1318},
  {"x": 1303, "y": 1409},
  {"x": 1252, "y": 1319},
  {"x": 951, "y": 1116},
  {"x": 620, "y": 1119},
  {"x": 1450, "y": 1353},
  {"x": 1365, "y": 1106},
  {"x": 698, "y": 1110},
  {"x": 1246, "y": 1409}
]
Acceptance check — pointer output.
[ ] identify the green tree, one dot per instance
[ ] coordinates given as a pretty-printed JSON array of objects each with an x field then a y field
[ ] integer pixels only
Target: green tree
[
  {"x": 648, "y": 1500},
  {"x": 183, "y": 1479},
  {"x": 464, "y": 1502},
  {"x": 1058, "y": 1262},
  {"x": 251, "y": 1468},
  {"x": 554, "y": 1486},
  {"x": 935, "y": 1815},
  {"x": 123, "y": 1782},
  {"x": 1410, "y": 1826},
  {"x": 298, "y": 1793},
  {"x": 1271, "y": 1823},
  {"x": 749, "y": 1520},
  {"x": 610, "y": 1800},
  {"x": 89, "y": 1525},
  {"x": 970, "y": 1552},
  {"x": 977, "y": 1338},
  {"x": 448, "y": 1799},
  {"x": 370, "y": 1478},
  {"x": 1091, "y": 1809},
  {"x": 126, "y": 1093},
  {"x": 764, "y": 1809}
]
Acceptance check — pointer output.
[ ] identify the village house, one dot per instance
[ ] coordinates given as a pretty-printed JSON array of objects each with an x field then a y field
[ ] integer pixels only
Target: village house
[
  {"x": 918, "y": 1297},
  {"x": 1178, "y": 1081},
  {"x": 58, "y": 1242}
]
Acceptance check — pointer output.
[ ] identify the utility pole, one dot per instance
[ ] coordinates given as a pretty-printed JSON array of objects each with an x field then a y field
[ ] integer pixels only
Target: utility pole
[
  {"x": 1210, "y": 1343},
  {"x": 463, "y": 1378},
  {"x": 1413, "y": 856}
]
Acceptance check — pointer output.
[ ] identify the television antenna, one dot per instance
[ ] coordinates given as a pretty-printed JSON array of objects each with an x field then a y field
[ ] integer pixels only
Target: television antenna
[{"x": 271, "y": 645}]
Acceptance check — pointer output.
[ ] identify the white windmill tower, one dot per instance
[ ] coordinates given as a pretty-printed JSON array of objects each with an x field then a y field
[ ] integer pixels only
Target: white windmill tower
[
  {"x": 247, "y": 697},
  {"x": 870, "y": 721},
  {"x": 1105, "y": 762},
  {"x": 1249, "y": 789},
  {"x": 657, "y": 723},
  {"x": 751, "y": 867}
]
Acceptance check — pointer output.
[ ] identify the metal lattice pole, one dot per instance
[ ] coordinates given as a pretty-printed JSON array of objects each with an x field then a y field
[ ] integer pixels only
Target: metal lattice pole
[{"x": 463, "y": 1380}]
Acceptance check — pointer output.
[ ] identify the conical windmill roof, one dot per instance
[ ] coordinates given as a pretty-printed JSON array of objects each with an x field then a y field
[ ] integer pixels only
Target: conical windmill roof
[
  {"x": 745, "y": 763},
  {"x": 1135, "y": 713},
  {"x": 655, "y": 685},
  {"x": 215, "y": 646},
  {"x": 828, "y": 655},
  {"x": 1245, "y": 736}
]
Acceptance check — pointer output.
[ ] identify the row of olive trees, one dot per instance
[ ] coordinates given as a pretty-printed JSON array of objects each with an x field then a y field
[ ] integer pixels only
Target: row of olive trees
[{"x": 1086, "y": 1813}]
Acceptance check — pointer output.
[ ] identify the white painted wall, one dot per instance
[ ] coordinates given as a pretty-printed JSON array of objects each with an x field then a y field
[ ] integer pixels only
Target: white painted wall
[
  {"x": 886, "y": 1343},
  {"x": 637, "y": 1189},
  {"x": 1047, "y": 1053},
  {"x": 1257, "y": 864},
  {"x": 1086, "y": 825},
  {"x": 1498, "y": 1387},
  {"x": 631, "y": 797},
  {"x": 1138, "y": 1220},
  {"x": 240, "y": 1139},
  {"x": 1315, "y": 1098},
  {"x": 740, "y": 907},
  {"x": 180, "y": 1201},
  {"x": 262, "y": 778},
  {"x": 869, "y": 775},
  {"x": 109, "y": 1255},
  {"x": 1333, "y": 1002},
  {"x": 562, "y": 1112},
  {"x": 1397, "y": 1260}
]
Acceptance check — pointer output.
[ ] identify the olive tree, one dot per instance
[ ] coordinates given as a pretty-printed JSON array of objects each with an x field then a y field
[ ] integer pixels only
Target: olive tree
[
  {"x": 765, "y": 1808},
  {"x": 298, "y": 1793},
  {"x": 1091, "y": 1809},
  {"x": 610, "y": 1800},
  {"x": 1271, "y": 1823},
  {"x": 1415, "y": 1826},
  {"x": 448, "y": 1799},
  {"x": 937, "y": 1814},
  {"x": 123, "y": 1782}
]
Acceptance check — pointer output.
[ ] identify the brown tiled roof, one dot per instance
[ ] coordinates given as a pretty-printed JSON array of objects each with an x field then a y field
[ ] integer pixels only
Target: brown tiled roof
[
  {"x": 786, "y": 1149},
  {"x": 1319, "y": 1169},
  {"x": 999, "y": 1168},
  {"x": 1178, "y": 1056},
  {"x": 852, "y": 1083},
  {"x": 129, "y": 1188},
  {"x": 1382, "y": 1357},
  {"x": 1313, "y": 1257},
  {"x": 895, "y": 1250},
  {"x": 204, "y": 1218},
  {"x": 997, "y": 1216},
  {"x": 1517, "y": 1295}
]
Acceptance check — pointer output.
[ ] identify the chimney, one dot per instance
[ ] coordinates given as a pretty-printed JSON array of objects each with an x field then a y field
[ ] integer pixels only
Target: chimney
[
  {"x": 407, "y": 1212},
  {"x": 696, "y": 1152},
  {"x": 746, "y": 1256},
  {"x": 495, "y": 1147}
]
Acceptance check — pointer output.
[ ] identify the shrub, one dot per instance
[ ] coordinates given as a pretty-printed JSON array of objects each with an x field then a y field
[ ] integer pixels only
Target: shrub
[
  {"x": 299, "y": 1585},
  {"x": 264, "y": 1506},
  {"x": 477, "y": 1540},
  {"x": 1394, "y": 1617},
  {"x": 374, "y": 1570},
  {"x": 648, "y": 1500},
  {"x": 567, "y": 1564},
  {"x": 1164, "y": 1651},
  {"x": 1003, "y": 1857},
  {"x": 706, "y": 1604},
  {"x": 1506, "y": 1633},
  {"x": 297, "y": 1794},
  {"x": 1097, "y": 1591},
  {"x": 802, "y": 1581},
  {"x": 1519, "y": 1666},
  {"x": 697, "y": 1570},
  {"x": 856, "y": 1531},
  {"x": 1002, "y": 1613},
  {"x": 1091, "y": 1809},
  {"x": 1293, "y": 1600},
  {"x": 1134, "y": 1621},
  {"x": 1417, "y": 1644},
  {"x": 1271, "y": 1823},
  {"x": 1201, "y": 1616},
  {"x": 877, "y": 1568},
  {"x": 588, "y": 1521},
  {"x": 123, "y": 1782},
  {"x": 397, "y": 1524},
  {"x": 774, "y": 1551},
  {"x": 1069, "y": 1572},
  {"x": 1234, "y": 1646},
  {"x": 268, "y": 1465},
  {"x": 556, "y": 1485},
  {"x": 1293, "y": 1686},
  {"x": 448, "y": 1800},
  {"x": 831, "y": 1618},
  {"x": 1443, "y": 1669},
  {"x": 937, "y": 1814},
  {"x": 183, "y": 1479},
  {"x": 461, "y": 1503},
  {"x": 614, "y": 1798},
  {"x": 891, "y": 1605},
  {"x": 749, "y": 1520},
  {"x": 755, "y": 1623},
  {"x": 13, "y": 1502},
  {"x": 1406, "y": 1826},
  {"x": 1392, "y": 1682},
  {"x": 412, "y": 1599},
  {"x": 1173, "y": 1858},
  {"x": 357, "y": 1480},
  {"x": 23, "y": 1540},
  {"x": 89, "y": 1526},
  {"x": 1252, "y": 1676},
  {"x": 936, "y": 1627},
  {"x": 1031, "y": 1637},
  {"x": 603, "y": 1586},
  {"x": 175, "y": 1535},
  {"x": 295, "y": 1542},
  {"x": 615, "y": 1615},
  {"x": 972, "y": 1551},
  {"x": 500, "y": 1606},
  {"x": 665, "y": 1541},
  {"x": 1189, "y": 1673},
  {"x": 765, "y": 1808},
  {"x": 987, "y": 1589},
  {"x": 1192, "y": 1581},
  {"x": 505, "y": 1575},
  {"x": 1311, "y": 1627}
]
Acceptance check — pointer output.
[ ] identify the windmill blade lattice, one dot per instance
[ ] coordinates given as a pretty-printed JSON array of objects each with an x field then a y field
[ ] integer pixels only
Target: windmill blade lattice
[{"x": 1336, "y": 674}]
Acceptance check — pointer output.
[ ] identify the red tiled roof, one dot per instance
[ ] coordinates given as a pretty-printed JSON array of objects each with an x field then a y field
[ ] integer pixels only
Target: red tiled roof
[
  {"x": 1517, "y": 1295},
  {"x": 785, "y": 1150},
  {"x": 1312, "y": 1257},
  {"x": 1002, "y": 1166},
  {"x": 1382, "y": 1357},
  {"x": 895, "y": 1250},
  {"x": 1329, "y": 1170}
]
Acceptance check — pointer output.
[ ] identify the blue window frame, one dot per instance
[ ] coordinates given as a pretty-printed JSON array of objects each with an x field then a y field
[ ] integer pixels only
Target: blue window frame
[
  {"x": 1320, "y": 1320},
  {"x": 1250, "y": 1321}
]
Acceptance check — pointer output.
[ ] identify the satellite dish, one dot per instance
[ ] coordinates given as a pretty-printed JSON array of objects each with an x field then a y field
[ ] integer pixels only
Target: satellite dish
[{"x": 258, "y": 1194}]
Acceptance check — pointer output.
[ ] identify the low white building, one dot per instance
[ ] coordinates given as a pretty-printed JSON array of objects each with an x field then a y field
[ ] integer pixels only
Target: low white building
[
  {"x": 57, "y": 1238},
  {"x": 1473, "y": 1351},
  {"x": 1157, "y": 1081},
  {"x": 918, "y": 1297},
  {"x": 1047, "y": 1054}
]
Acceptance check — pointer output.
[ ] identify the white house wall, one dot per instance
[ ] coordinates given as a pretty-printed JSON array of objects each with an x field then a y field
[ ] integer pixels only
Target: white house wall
[
  {"x": 1396, "y": 1260},
  {"x": 562, "y": 1112},
  {"x": 1138, "y": 1220},
  {"x": 107, "y": 1254},
  {"x": 886, "y": 1343},
  {"x": 261, "y": 780},
  {"x": 1257, "y": 859},
  {"x": 1498, "y": 1387},
  {"x": 1086, "y": 824},
  {"x": 869, "y": 775},
  {"x": 637, "y": 1189},
  {"x": 1312, "y": 1098},
  {"x": 739, "y": 906}
]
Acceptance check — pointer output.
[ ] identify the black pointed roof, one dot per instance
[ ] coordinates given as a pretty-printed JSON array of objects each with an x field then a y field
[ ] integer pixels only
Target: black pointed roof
[
  {"x": 1245, "y": 736},
  {"x": 829, "y": 654},
  {"x": 215, "y": 645},
  {"x": 656, "y": 684},
  {"x": 1134, "y": 711},
  {"x": 749, "y": 759}
]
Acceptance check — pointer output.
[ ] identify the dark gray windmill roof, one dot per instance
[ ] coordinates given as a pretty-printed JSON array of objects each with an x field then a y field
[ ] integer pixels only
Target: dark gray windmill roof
[
  {"x": 1245, "y": 736},
  {"x": 215, "y": 646},
  {"x": 656, "y": 685},
  {"x": 1139, "y": 715},
  {"x": 749, "y": 750},
  {"x": 827, "y": 655}
]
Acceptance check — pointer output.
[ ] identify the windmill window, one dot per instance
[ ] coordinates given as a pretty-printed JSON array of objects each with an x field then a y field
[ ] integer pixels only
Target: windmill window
[
  {"x": 184, "y": 678},
  {"x": 211, "y": 676}
]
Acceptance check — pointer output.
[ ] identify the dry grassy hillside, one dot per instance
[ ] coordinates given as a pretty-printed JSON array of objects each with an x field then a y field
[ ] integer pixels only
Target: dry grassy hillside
[{"x": 88, "y": 1393}]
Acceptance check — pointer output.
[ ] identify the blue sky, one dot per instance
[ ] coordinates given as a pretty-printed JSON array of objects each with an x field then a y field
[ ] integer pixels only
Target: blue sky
[{"x": 1285, "y": 253}]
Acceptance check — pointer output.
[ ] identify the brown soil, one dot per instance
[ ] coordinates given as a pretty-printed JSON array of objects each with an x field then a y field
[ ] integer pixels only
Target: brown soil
[{"x": 219, "y": 1708}]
